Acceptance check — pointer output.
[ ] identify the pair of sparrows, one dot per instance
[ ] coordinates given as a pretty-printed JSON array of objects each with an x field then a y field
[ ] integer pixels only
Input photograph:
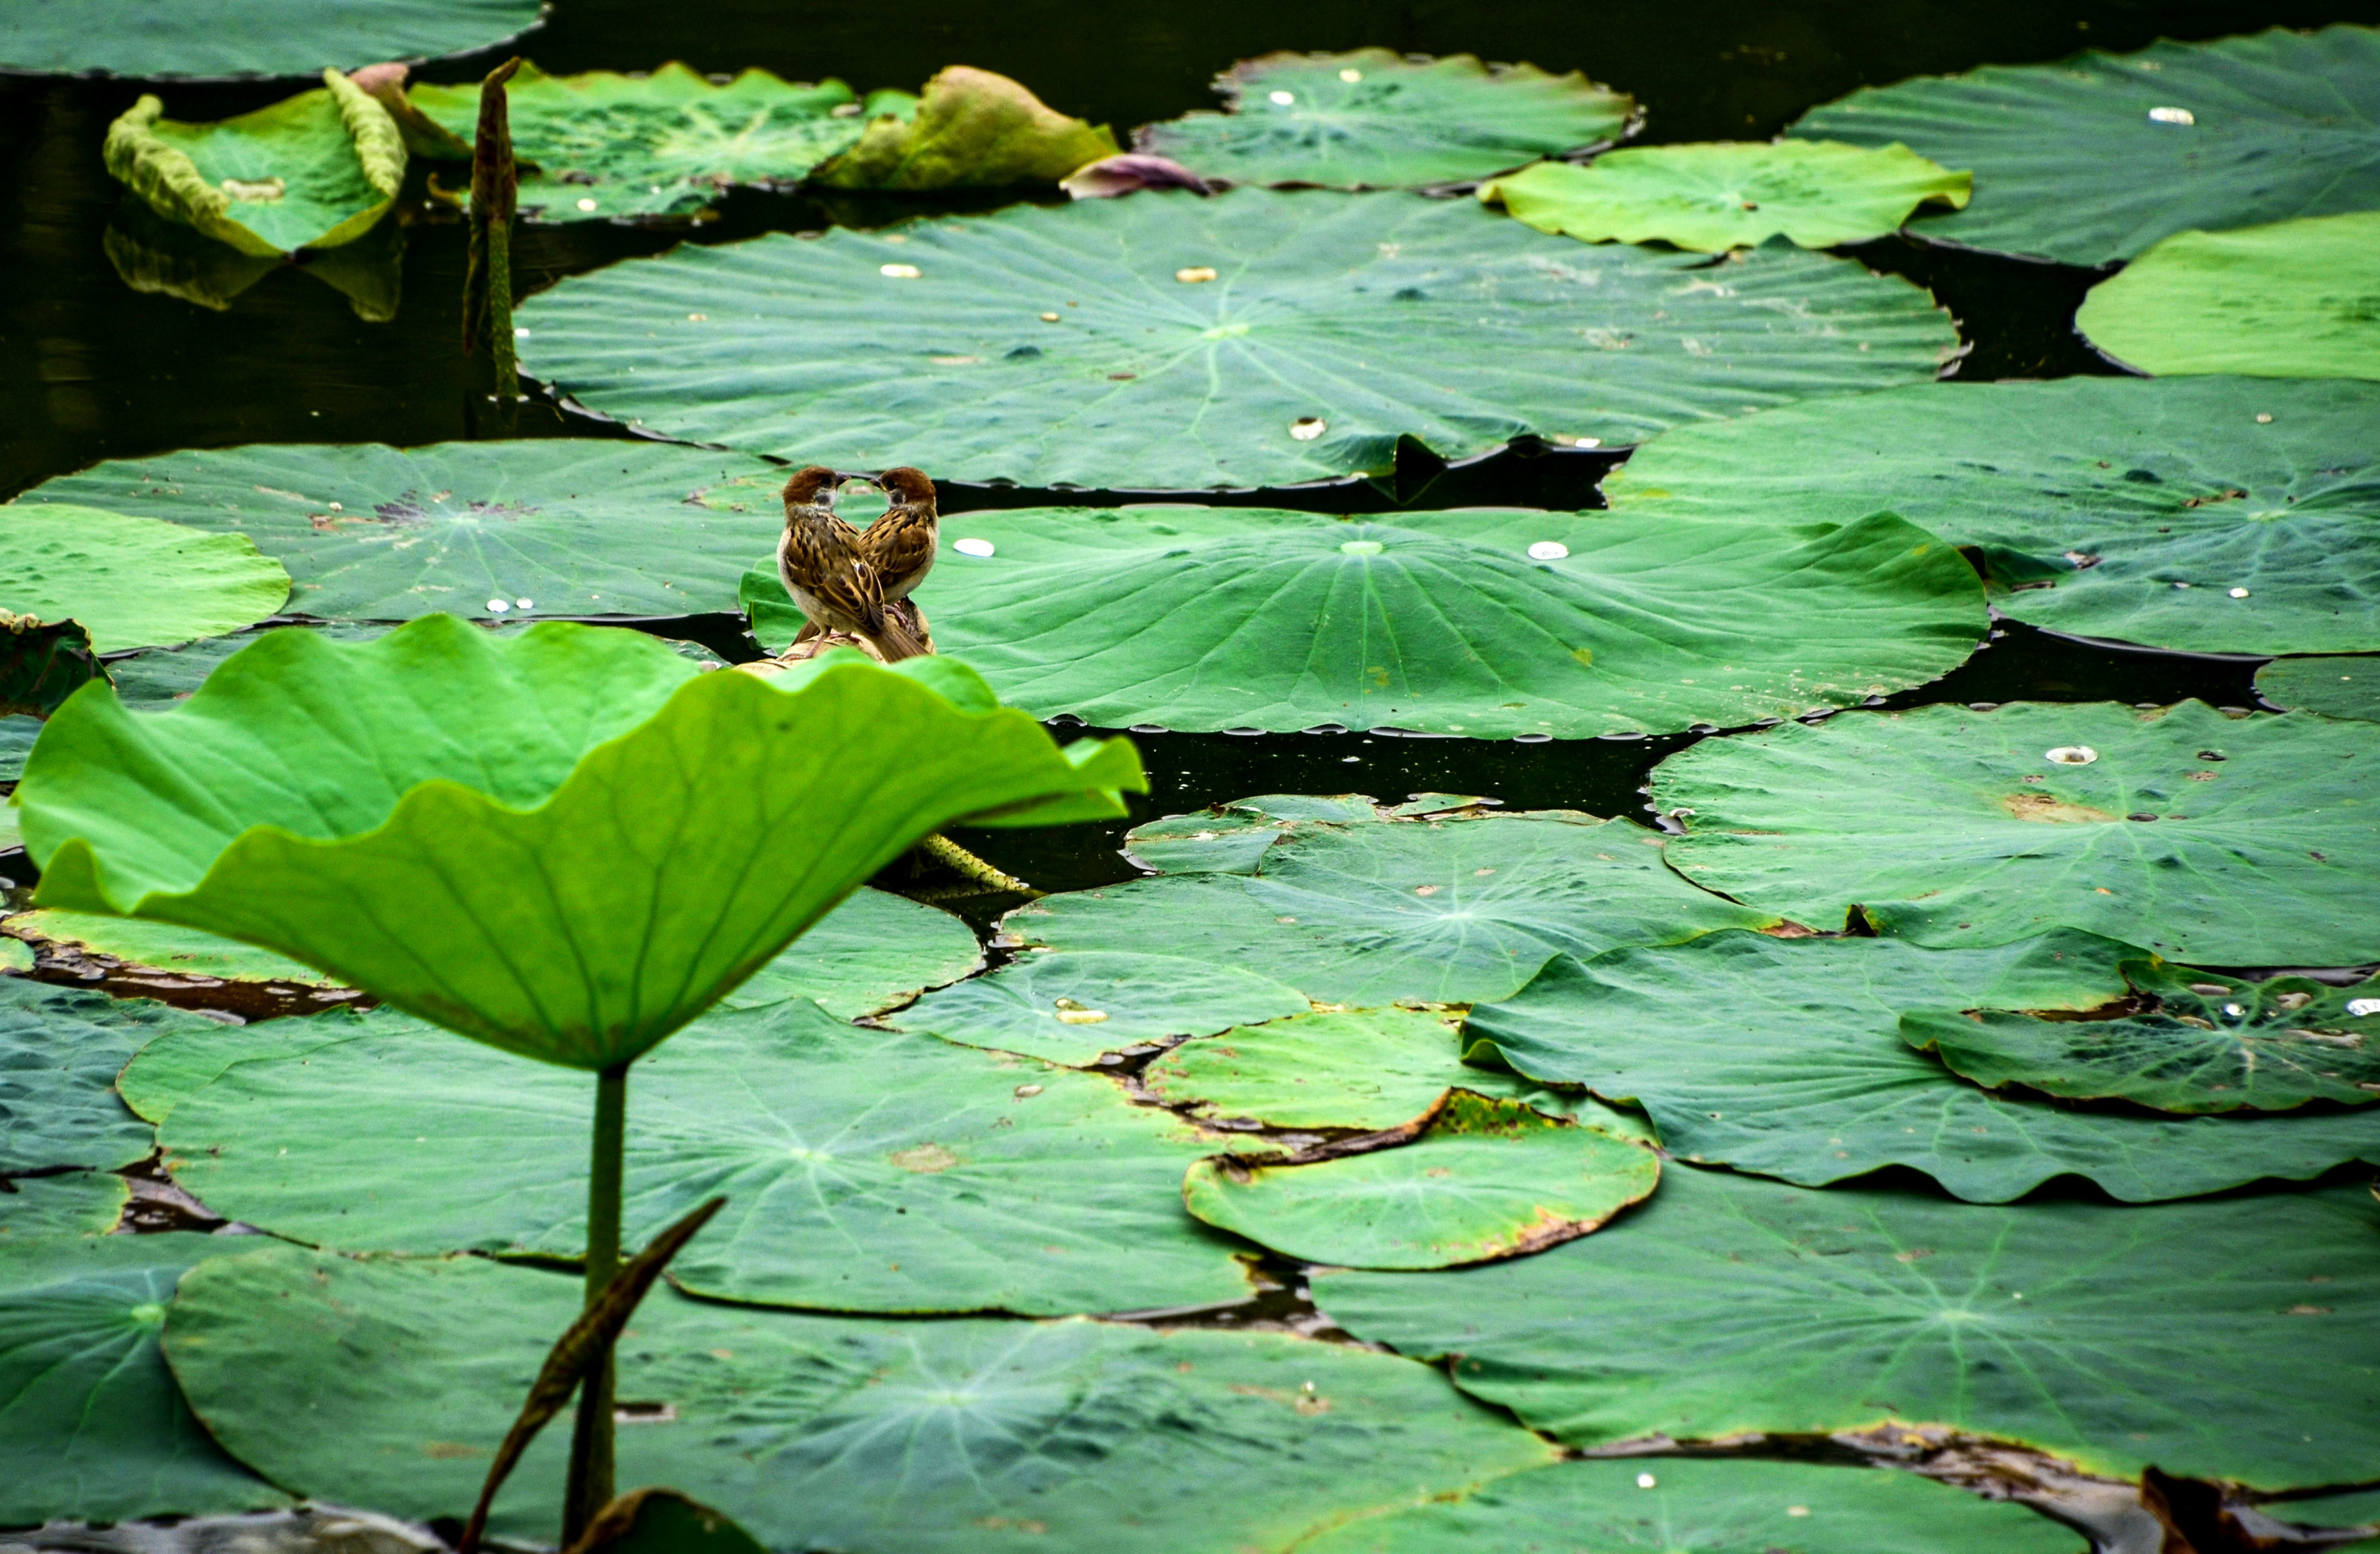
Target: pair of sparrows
[{"x": 854, "y": 582}]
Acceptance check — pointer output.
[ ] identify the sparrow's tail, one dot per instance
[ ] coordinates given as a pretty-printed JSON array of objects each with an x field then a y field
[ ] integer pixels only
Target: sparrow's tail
[{"x": 895, "y": 641}]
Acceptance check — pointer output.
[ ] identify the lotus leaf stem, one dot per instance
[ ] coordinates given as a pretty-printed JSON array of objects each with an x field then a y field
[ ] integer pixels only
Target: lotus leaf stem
[{"x": 590, "y": 1442}]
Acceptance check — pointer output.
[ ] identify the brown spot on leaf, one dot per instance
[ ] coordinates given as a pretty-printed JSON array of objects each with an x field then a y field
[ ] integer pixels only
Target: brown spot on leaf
[{"x": 2050, "y": 810}]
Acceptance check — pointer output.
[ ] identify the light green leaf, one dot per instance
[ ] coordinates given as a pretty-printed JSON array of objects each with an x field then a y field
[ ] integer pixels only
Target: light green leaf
[
  {"x": 666, "y": 142},
  {"x": 865, "y": 1170},
  {"x": 1738, "y": 1506},
  {"x": 1729, "y": 194},
  {"x": 94, "y": 1428},
  {"x": 1783, "y": 1057},
  {"x": 164, "y": 1074},
  {"x": 970, "y": 129},
  {"x": 37, "y": 1208},
  {"x": 132, "y": 582},
  {"x": 385, "y": 1383},
  {"x": 1486, "y": 1179},
  {"x": 2215, "y": 840},
  {"x": 1070, "y": 1007},
  {"x": 2290, "y": 300},
  {"x": 313, "y": 171},
  {"x": 2336, "y": 687},
  {"x": 15, "y": 955},
  {"x": 1729, "y": 1305},
  {"x": 1377, "y": 119},
  {"x": 493, "y": 785},
  {"x": 60, "y": 1049},
  {"x": 1231, "y": 838},
  {"x": 161, "y": 947},
  {"x": 246, "y": 37},
  {"x": 370, "y": 532},
  {"x": 1483, "y": 622},
  {"x": 1297, "y": 362},
  {"x": 871, "y": 953},
  {"x": 2096, "y": 157},
  {"x": 2120, "y": 507}
]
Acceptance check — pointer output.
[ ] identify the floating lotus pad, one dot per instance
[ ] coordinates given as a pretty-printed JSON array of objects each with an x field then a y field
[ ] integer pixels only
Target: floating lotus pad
[
  {"x": 2336, "y": 687},
  {"x": 1485, "y": 1179},
  {"x": 1231, "y": 838},
  {"x": 663, "y": 143},
  {"x": 15, "y": 955},
  {"x": 927, "y": 343},
  {"x": 1728, "y": 1304},
  {"x": 2096, "y": 157},
  {"x": 486, "y": 783},
  {"x": 1737, "y": 1506},
  {"x": 2290, "y": 300},
  {"x": 865, "y": 1170},
  {"x": 2214, "y": 840},
  {"x": 1071, "y": 1007},
  {"x": 823, "y": 1433},
  {"x": 970, "y": 129},
  {"x": 315, "y": 171},
  {"x": 164, "y": 1074},
  {"x": 874, "y": 951},
  {"x": 1483, "y": 621},
  {"x": 159, "y": 946},
  {"x": 2113, "y": 507},
  {"x": 95, "y": 1429},
  {"x": 1783, "y": 1057},
  {"x": 371, "y": 532},
  {"x": 1729, "y": 194},
  {"x": 80, "y": 1202},
  {"x": 1376, "y": 119},
  {"x": 132, "y": 582},
  {"x": 246, "y": 37},
  {"x": 60, "y": 1049}
]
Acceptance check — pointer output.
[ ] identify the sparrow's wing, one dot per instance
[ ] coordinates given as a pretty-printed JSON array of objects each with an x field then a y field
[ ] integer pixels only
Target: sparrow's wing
[{"x": 900, "y": 545}]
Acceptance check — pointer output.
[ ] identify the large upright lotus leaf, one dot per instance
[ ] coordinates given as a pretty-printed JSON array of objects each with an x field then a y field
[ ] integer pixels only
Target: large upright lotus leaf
[
  {"x": 1376, "y": 119},
  {"x": 144, "y": 39},
  {"x": 1444, "y": 911},
  {"x": 92, "y": 1427},
  {"x": 555, "y": 527},
  {"x": 2336, "y": 687},
  {"x": 2294, "y": 300},
  {"x": 2208, "y": 839},
  {"x": 1069, "y": 1007},
  {"x": 1486, "y": 1179},
  {"x": 1728, "y": 1304},
  {"x": 2096, "y": 157},
  {"x": 970, "y": 129},
  {"x": 662, "y": 143},
  {"x": 865, "y": 1170},
  {"x": 60, "y": 1049},
  {"x": 872, "y": 952},
  {"x": 441, "y": 815},
  {"x": 313, "y": 171},
  {"x": 2121, "y": 507},
  {"x": 1483, "y": 621},
  {"x": 1784, "y": 1057},
  {"x": 132, "y": 582},
  {"x": 387, "y": 1383},
  {"x": 1729, "y": 194},
  {"x": 1082, "y": 346},
  {"x": 1684, "y": 1506}
]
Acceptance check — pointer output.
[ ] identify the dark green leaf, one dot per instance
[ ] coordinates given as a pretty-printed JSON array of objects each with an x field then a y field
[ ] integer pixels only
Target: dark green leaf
[
  {"x": 60, "y": 1049},
  {"x": 2336, "y": 687},
  {"x": 247, "y": 37},
  {"x": 1070, "y": 1007}
]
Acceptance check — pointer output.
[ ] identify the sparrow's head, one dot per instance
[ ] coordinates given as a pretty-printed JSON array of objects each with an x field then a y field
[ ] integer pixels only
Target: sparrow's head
[
  {"x": 812, "y": 486},
  {"x": 908, "y": 487}
]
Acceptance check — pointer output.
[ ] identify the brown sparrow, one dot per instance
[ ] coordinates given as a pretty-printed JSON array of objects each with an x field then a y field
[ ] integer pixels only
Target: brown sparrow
[
  {"x": 820, "y": 564},
  {"x": 902, "y": 545}
]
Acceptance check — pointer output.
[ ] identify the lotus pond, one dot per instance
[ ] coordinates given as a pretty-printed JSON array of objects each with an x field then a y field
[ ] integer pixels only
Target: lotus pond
[{"x": 1643, "y": 817}]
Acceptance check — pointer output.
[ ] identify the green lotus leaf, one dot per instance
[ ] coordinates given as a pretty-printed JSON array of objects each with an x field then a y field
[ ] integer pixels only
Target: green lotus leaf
[
  {"x": 1071, "y": 1007},
  {"x": 2206, "y": 514},
  {"x": 2096, "y": 157},
  {"x": 42, "y": 665},
  {"x": 1783, "y": 1057},
  {"x": 370, "y": 532},
  {"x": 868, "y": 1171},
  {"x": 969, "y": 130},
  {"x": 2209, "y": 839},
  {"x": 60, "y": 1049},
  {"x": 165, "y": 947},
  {"x": 246, "y": 37},
  {"x": 164, "y": 1074},
  {"x": 15, "y": 956},
  {"x": 662, "y": 143},
  {"x": 1376, "y": 119},
  {"x": 493, "y": 785},
  {"x": 1729, "y": 194},
  {"x": 1483, "y": 621},
  {"x": 2336, "y": 687},
  {"x": 1337, "y": 323},
  {"x": 2359, "y": 1510},
  {"x": 17, "y": 733},
  {"x": 2212, "y": 1043},
  {"x": 132, "y": 582},
  {"x": 78, "y": 1203},
  {"x": 2290, "y": 300},
  {"x": 875, "y": 951},
  {"x": 661, "y": 1521},
  {"x": 1727, "y": 1305},
  {"x": 1739, "y": 1506},
  {"x": 1231, "y": 838},
  {"x": 386, "y": 1383},
  {"x": 95, "y": 1429},
  {"x": 1486, "y": 1179},
  {"x": 151, "y": 253},
  {"x": 314, "y": 171}
]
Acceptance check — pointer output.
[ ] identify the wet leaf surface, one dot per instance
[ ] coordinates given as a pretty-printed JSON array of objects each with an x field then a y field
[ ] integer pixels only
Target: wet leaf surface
[
  {"x": 2288, "y": 300},
  {"x": 2336, "y": 687},
  {"x": 2211, "y": 839},
  {"x": 78, "y": 1203},
  {"x": 871, "y": 953},
  {"x": 102, "y": 569},
  {"x": 60, "y": 1049},
  {"x": 859, "y": 349},
  {"x": 247, "y": 37},
  {"x": 2205, "y": 515},
  {"x": 1070, "y": 1006},
  {"x": 1727, "y": 1303}
]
